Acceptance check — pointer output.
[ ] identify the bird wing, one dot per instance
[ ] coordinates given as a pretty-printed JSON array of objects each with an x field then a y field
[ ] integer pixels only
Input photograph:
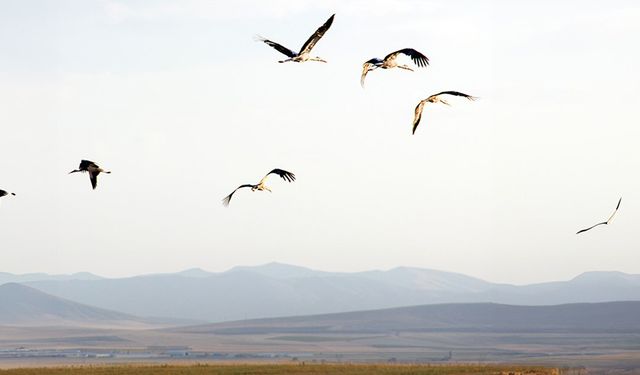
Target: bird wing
[
  {"x": 418, "y": 58},
  {"x": 455, "y": 93},
  {"x": 287, "y": 176},
  {"x": 227, "y": 199},
  {"x": 94, "y": 179},
  {"x": 84, "y": 164},
  {"x": 278, "y": 47},
  {"x": 367, "y": 67},
  {"x": 614, "y": 212},
  {"x": 315, "y": 37},
  {"x": 418, "y": 115},
  {"x": 3, "y": 193},
  {"x": 591, "y": 227},
  {"x": 365, "y": 70}
]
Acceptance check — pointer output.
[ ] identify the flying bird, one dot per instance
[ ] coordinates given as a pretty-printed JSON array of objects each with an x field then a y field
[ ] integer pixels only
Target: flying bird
[
  {"x": 303, "y": 55},
  {"x": 604, "y": 222},
  {"x": 4, "y": 192},
  {"x": 287, "y": 176},
  {"x": 435, "y": 99},
  {"x": 389, "y": 62},
  {"x": 93, "y": 169}
]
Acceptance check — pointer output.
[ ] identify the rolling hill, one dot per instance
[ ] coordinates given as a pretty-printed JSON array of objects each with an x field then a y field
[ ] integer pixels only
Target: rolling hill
[
  {"x": 607, "y": 317},
  {"x": 21, "y": 305}
]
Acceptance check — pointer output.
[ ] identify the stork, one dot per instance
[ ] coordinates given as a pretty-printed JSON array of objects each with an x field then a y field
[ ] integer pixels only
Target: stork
[
  {"x": 389, "y": 62},
  {"x": 609, "y": 220},
  {"x": 4, "y": 193},
  {"x": 93, "y": 169},
  {"x": 435, "y": 99},
  {"x": 287, "y": 176},
  {"x": 303, "y": 55}
]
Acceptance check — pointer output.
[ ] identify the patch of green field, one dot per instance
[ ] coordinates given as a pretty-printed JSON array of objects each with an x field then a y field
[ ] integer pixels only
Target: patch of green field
[{"x": 274, "y": 369}]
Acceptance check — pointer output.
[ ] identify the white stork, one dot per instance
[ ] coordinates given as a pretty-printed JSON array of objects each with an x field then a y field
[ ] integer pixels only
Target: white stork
[
  {"x": 435, "y": 99},
  {"x": 93, "y": 169},
  {"x": 303, "y": 55},
  {"x": 287, "y": 176},
  {"x": 604, "y": 222},
  {"x": 389, "y": 62}
]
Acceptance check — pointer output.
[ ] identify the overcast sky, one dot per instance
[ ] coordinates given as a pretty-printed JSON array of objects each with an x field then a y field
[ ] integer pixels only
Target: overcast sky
[{"x": 179, "y": 101}]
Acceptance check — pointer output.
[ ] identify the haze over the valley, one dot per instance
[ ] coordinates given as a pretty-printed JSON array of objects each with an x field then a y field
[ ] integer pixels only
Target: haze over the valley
[{"x": 275, "y": 289}]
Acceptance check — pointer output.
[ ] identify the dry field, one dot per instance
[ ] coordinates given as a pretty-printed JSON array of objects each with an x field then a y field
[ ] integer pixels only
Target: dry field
[{"x": 267, "y": 369}]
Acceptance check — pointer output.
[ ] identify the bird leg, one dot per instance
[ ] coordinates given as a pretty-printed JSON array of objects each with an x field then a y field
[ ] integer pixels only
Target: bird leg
[
  {"x": 405, "y": 67},
  {"x": 444, "y": 102},
  {"x": 317, "y": 59}
]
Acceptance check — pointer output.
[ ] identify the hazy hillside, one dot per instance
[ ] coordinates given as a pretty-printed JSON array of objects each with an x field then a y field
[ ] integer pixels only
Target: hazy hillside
[
  {"x": 22, "y": 305},
  {"x": 609, "y": 317},
  {"x": 12, "y": 278},
  {"x": 282, "y": 290}
]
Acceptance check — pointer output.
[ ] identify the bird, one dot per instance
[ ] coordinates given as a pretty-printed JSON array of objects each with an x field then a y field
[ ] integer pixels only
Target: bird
[
  {"x": 389, "y": 62},
  {"x": 287, "y": 176},
  {"x": 435, "y": 99},
  {"x": 93, "y": 169},
  {"x": 303, "y": 55},
  {"x": 609, "y": 220},
  {"x": 4, "y": 192}
]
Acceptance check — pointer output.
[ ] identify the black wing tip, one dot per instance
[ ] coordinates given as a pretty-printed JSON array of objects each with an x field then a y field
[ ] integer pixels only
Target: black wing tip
[
  {"x": 329, "y": 21},
  {"x": 619, "y": 201}
]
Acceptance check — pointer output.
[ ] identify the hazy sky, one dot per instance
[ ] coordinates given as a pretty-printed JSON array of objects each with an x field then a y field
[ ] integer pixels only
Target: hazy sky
[{"x": 182, "y": 105}]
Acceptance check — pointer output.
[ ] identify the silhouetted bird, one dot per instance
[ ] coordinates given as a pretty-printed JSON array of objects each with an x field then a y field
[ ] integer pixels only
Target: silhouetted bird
[
  {"x": 303, "y": 55},
  {"x": 287, "y": 176},
  {"x": 390, "y": 62},
  {"x": 435, "y": 99},
  {"x": 4, "y": 192},
  {"x": 93, "y": 169},
  {"x": 604, "y": 222}
]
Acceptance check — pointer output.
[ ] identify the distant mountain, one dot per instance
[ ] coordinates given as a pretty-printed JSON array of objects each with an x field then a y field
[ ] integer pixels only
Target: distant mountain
[
  {"x": 24, "y": 306},
  {"x": 11, "y": 278},
  {"x": 607, "y": 317},
  {"x": 195, "y": 272},
  {"x": 278, "y": 289},
  {"x": 281, "y": 271}
]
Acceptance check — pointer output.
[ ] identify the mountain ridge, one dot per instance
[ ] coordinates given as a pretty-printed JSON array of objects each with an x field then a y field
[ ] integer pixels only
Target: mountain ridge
[{"x": 277, "y": 289}]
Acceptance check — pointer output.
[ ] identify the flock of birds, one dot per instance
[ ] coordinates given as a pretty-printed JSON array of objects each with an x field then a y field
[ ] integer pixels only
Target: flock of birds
[{"x": 388, "y": 62}]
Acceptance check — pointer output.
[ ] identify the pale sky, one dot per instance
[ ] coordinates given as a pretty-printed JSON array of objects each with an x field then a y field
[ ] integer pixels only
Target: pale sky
[{"x": 179, "y": 101}]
